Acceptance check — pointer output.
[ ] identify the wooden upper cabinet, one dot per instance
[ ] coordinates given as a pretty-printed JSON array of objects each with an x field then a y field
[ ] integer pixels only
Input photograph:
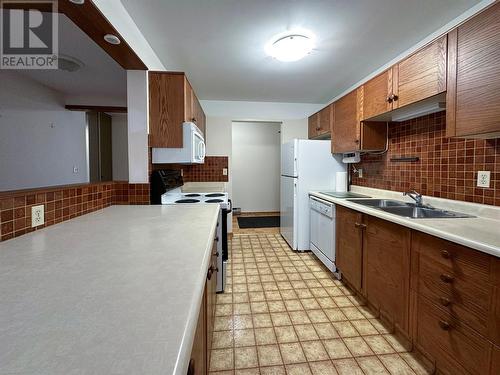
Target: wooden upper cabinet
[
  {"x": 376, "y": 93},
  {"x": 420, "y": 75},
  {"x": 172, "y": 101},
  {"x": 473, "y": 96},
  {"x": 320, "y": 123},
  {"x": 346, "y": 125}
]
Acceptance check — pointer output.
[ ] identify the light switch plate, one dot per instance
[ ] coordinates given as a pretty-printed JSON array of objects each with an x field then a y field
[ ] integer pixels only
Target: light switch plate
[
  {"x": 224, "y": 171},
  {"x": 483, "y": 179},
  {"x": 37, "y": 215}
]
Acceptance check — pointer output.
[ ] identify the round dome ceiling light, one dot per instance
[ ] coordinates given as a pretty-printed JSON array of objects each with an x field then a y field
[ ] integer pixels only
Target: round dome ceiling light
[
  {"x": 112, "y": 39},
  {"x": 290, "y": 47},
  {"x": 77, "y": 2}
]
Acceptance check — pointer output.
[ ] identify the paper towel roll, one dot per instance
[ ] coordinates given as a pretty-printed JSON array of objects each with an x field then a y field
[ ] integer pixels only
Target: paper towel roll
[{"x": 341, "y": 181}]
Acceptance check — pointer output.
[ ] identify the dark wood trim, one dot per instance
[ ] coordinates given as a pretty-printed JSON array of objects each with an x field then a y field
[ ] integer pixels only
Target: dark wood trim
[
  {"x": 92, "y": 22},
  {"x": 97, "y": 108},
  {"x": 451, "y": 84}
]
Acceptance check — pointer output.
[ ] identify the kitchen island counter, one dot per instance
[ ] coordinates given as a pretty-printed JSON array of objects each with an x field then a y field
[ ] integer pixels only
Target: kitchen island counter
[{"x": 116, "y": 291}]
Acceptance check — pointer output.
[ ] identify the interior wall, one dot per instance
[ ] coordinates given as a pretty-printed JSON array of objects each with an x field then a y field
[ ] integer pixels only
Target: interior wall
[
  {"x": 119, "y": 136},
  {"x": 256, "y": 166},
  {"x": 292, "y": 129},
  {"x": 40, "y": 142}
]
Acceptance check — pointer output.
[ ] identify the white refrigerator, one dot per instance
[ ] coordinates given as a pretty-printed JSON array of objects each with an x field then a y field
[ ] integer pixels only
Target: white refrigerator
[{"x": 306, "y": 165}]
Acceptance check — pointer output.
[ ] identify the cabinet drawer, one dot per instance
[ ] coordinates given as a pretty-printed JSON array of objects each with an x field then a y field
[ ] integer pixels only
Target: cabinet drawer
[
  {"x": 467, "y": 264},
  {"x": 470, "y": 302},
  {"x": 451, "y": 343}
]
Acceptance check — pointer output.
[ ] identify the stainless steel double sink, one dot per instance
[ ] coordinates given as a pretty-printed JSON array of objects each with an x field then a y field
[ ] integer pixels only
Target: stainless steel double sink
[{"x": 409, "y": 210}]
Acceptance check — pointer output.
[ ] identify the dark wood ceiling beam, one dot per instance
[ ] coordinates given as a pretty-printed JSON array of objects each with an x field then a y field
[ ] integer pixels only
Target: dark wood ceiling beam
[{"x": 96, "y": 108}]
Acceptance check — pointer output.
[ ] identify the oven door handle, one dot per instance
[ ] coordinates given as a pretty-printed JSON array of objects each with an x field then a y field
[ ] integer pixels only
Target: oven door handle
[{"x": 230, "y": 209}]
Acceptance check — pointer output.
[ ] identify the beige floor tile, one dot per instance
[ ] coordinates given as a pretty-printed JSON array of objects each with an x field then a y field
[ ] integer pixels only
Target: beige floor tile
[
  {"x": 281, "y": 319},
  {"x": 298, "y": 284},
  {"x": 262, "y": 320},
  {"x": 323, "y": 368},
  {"x": 254, "y": 279},
  {"x": 221, "y": 359},
  {"x": 276, "y": 306},
  {"x": 304, "y": 293},
  {"x": 222, "y": 339},
  {"x": 379, "y": 344},
  {"x": 241, "y": 308},
  {"x": 292, "y": 353},
  {"x": 335, "y": 315},
  {"x": 226, "y": 372},
  {"x": 342, "y": 301},
  {"x": 243, "y": 321},
  {"x": 347, "y": 367},
  {"x": 306, "y": 332},
  {"x": 269, "y": 355},
  {"x": 345, "y": 329},
  {"x": 284, "y": 285},
  {"x": 417, "y": 364},
  {"x": 265, "y": 336},
  {"x": 357, "y": 346},
  {"x": 245, "y": 357},
  {"x": 396, "y": 365},
  {"x": 319, "y": 292},
  {"x": 288, "y": 295},
  {"x": 256, "y": 296},
  {"x": 299, "y": 317},
  {"x": 364, "y": 327},
  {"x": 272, "y": 295},
  {"x": 273, "y": 370},
  {"x": 286, "y": 334},
  {"x": 293, "y": 305},
  {"x": 326, "y": 303},
  {"x": 254, "y": 287},
  {"x": 266, "y": 278},
  {"x": 259, "y": 307},
  {"x": 396, "y": 343},
  {"x": 244, "y": 337},
  {"x": 325, "y": 331},
  {"x": 240, "y": 297},
  {"x": 223, "y": 323},
  {"x": 352, "y": 313},
  {"x": 223, "y": 310},
  {"x": 317, "y": 316},
  {"x": 372, "y": 366},
  {"x": 313, "y": 283},
  {"x": 336, "y": 349},
  {"x": 314, "y": 351},
  {"x": 298, "y": 369},
  {"x": 270, "y": 286},
  {"x": 310, "y": 303}
]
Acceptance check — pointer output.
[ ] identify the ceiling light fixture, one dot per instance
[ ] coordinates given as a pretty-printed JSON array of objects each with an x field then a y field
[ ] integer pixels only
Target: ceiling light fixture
[
  {"x": 291, "y": 46},
  {"x": 112, "y": 39},
  {"x": 77, "y": 2}
]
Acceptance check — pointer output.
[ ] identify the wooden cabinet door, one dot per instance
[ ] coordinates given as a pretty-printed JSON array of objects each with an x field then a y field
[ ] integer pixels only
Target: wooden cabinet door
[
  {"x": 376, "y": 94},
  {"x": 386, "y": 271},
  {"x": 211, "y": 297},
  {"x": 198, "y": 114},
  {"x": 166, "y": 109},
  {"x": 198, "y": 361},
  {"x": 349, "y": 252},
  {"x": 313, "y": 125},
  {"x": 473, "y": 95},
  {"x": 189, "y": 105},
  {"x": 421, "y": 75},
  {"x": 325, "y": 120},
  {"x": 346, "y": 125}
]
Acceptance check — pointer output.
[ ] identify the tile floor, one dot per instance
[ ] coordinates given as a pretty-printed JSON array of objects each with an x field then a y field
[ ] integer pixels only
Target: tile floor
[{"x": 283, "y": 313}]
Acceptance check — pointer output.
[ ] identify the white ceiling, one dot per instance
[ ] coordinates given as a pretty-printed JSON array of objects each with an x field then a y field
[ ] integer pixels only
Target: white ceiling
[
  {"x": 220, "y": 43},
  {"x": 100, "y": 78}
]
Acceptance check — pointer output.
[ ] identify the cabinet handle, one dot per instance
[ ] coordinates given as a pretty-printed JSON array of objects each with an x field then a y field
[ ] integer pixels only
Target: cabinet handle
[
  {"x": 359, "y": 225},
  {"x": 395, "y": 97},
  {"x": 389, "y": 99},
  {"x": 216, "y": 239},
  {"x": 444, "y": 301},
  {"x": 210, "y": 272},
  {"x": 444, "y": 325},
  {"x": 191, "y": 367},
  {"x": 356, "y": 141},
  {"x": 216, "y": 254},
  {"x": 445, "y": 254},
  {"x": 446, "y": 278},
  {"x": 193, "y": 119}
]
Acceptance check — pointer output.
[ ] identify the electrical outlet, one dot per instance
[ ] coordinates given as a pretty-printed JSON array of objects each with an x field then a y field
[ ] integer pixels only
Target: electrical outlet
[
  {"x": 37, "y": 215},
  {"x": 224, "y": 171},
  {"x": 75, "y": 169},
  {"x": 360, "y": 173},
  {"x": 483, "y": 179}
]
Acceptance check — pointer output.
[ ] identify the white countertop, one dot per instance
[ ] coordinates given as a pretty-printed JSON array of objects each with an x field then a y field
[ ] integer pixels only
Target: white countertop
[
  {"x": 481, "y": 233},
  {"x": 204, "y": 187},
  {"x": 116, "y": 291}
]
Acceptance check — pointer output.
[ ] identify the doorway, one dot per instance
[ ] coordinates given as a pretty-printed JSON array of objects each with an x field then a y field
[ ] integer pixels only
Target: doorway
[
  {"x": 100, "y": 147},
  {"x": 256, "y": 166}
]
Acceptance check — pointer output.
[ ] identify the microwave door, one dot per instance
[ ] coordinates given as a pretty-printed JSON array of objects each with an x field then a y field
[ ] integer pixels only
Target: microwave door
[{"x": 198, "y": 149}]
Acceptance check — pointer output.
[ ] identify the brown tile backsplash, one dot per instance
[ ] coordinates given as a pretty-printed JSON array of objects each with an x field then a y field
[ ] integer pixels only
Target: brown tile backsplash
[
  {"x": 447, "y": 167},
  {"x": 63, "y": 203},
  {"x": 210, "y": 171}
]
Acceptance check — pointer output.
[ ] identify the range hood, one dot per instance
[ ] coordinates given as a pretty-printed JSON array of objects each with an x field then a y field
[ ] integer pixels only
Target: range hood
[{"x": 424, "y": 107}]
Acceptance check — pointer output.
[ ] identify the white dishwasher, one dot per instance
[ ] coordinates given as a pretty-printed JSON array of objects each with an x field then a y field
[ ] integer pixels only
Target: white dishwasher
[{"x": 322, "y": 227}]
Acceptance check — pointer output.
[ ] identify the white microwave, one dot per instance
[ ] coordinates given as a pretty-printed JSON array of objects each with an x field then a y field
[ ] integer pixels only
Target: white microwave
[{"x": 192, "y": 152}]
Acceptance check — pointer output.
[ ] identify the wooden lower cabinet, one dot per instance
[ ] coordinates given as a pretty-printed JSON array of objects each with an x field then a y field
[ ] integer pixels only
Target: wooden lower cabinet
[
  {"x": 199, "y": 363},
  {"x": 349, "y": 252},
  {"x": 443, "y": 297},
  {"x": 386, "y": 269}
]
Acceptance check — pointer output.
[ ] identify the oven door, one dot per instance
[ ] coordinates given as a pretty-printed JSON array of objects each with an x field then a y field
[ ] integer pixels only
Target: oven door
[{"x": 199, "y": 149}]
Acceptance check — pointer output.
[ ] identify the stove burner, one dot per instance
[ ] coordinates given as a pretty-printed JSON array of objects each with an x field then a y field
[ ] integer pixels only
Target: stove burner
[
  {"x": 214, "y": 201},
  {"x": 214, "y": 195},
  {"x": 187, "y": 201},
  {"x": 192, "y": 195}
]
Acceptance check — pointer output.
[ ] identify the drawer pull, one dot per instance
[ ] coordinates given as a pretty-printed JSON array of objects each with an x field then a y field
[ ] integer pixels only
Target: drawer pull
[
  {"x": 216, "y": 254},
  {"x": 445, "y": 326},
  {"x": 445, "y": 254},
  {"x": 216, "y": 239},
  {"x": 359, "y": 225},
  {"x": 446, "y": 278},
  {"x": 210, "y": 272},
  {"x": 444, "y": 301}
]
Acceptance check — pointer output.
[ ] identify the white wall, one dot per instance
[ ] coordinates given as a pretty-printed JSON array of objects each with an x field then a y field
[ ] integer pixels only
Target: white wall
[
  {"x": 119, "y": 135},
  {"x": 292, "y": 129},
  {"x": 256, "y": 166},
  {"x": 40, "y": 141}
]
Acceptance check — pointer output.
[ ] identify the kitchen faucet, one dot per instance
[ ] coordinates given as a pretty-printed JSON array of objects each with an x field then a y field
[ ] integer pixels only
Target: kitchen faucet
[{"x": 417, "y": 197}]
